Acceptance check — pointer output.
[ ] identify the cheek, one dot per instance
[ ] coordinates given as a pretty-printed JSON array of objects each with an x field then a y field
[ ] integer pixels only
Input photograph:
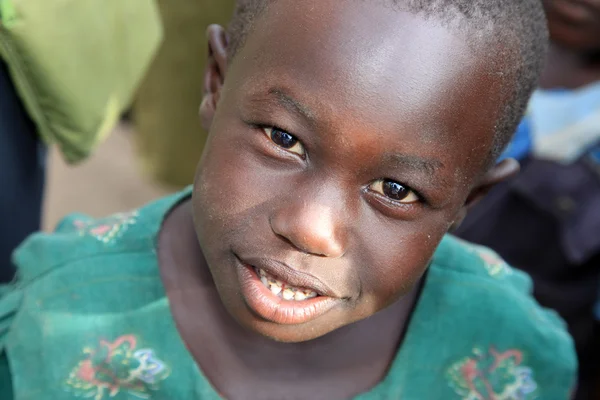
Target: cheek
[
  {"x": 398, "y": 259},
  {"x": 231, "y": 187}
]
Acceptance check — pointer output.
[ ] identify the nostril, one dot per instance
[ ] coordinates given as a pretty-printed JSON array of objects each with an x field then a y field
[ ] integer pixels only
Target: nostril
[
  {"x": 308, "y": 251},
  {"x": 298, "y": 247}
]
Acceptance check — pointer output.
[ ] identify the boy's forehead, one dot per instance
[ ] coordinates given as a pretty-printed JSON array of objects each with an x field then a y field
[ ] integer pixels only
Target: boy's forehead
[
  {"x": 356, "y": 37},
  {"x": 365, "y": 59}
]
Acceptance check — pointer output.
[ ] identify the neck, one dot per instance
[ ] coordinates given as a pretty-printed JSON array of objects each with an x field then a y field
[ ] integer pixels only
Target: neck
[
  {"x": 568, "y": 69},
  {"x": 361, "y": 344}
]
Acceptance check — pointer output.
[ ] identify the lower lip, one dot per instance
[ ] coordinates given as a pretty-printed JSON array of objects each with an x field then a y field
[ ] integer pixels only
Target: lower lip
[{"x": 275, "y": 309}]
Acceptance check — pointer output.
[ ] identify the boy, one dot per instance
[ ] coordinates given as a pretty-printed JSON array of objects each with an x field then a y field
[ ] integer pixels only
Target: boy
[{"x": 346, "y": 139}]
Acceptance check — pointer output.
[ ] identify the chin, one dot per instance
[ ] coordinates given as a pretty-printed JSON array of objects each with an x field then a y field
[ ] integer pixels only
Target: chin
[{"x": 286, "y": 334}]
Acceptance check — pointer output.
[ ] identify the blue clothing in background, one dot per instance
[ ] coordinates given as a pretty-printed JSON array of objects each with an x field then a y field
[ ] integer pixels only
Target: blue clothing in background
[{"x": 521, "y": 143}]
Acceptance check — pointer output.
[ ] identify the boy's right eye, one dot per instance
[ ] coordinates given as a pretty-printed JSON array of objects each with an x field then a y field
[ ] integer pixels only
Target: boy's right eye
[
  {"x": 394, "y": 191},
  {"x": 285, "y": 140}
]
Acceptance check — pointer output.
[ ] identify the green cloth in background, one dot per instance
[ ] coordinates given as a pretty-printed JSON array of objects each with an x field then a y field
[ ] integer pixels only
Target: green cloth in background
[
  {"x": 76, "y": 64},
  {"x": 89, "y": 318},
  {"x": 169, "y": 137}
]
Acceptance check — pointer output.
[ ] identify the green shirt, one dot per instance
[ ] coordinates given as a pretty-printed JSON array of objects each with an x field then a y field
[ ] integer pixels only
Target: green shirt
[{"x": 89, "y": 318}]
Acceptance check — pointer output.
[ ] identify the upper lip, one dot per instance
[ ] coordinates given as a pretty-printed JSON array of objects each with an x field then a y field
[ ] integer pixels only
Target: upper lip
[{"x": 290, "y": 275}]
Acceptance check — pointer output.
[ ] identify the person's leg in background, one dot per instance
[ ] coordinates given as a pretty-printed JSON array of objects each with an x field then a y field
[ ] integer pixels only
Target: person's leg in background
[{"x": 22, "y": 173}]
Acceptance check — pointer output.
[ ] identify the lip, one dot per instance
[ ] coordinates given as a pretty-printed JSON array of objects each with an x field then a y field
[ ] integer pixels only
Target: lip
[
  {"x": 291, "y": 275},
  {"x": 275, "y": 309}
]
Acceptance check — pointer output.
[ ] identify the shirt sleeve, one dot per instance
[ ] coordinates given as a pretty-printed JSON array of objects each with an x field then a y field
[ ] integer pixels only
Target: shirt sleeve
[{"x": 10, "y": 299}]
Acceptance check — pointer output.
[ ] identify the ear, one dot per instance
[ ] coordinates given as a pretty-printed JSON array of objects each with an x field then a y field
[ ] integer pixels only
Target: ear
[
  {"x": 214, "y": 74},
  {"x": 501, "y": 172}
]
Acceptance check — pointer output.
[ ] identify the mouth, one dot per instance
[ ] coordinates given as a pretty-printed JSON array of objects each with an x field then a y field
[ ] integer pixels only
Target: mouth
[
  {"x": 282, "y": 295},
  {"x": 284, "y": 290}
]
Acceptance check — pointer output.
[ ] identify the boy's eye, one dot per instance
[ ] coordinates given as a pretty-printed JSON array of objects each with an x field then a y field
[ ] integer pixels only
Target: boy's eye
[
  {"x": 285, "y": 140},
  {"x": 394, "y": 191}
]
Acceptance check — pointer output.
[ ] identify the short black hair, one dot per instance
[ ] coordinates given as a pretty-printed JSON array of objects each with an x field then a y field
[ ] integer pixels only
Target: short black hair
[{"x": 520, "y": 24}]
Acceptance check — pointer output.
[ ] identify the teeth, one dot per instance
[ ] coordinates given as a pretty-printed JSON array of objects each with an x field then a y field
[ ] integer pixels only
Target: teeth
[
  {"x": 275, "y": 289},
  {"x": 299, "y": 296},
  {"x": 282, "y": 290},
  {"x": 288, "y": 294}
]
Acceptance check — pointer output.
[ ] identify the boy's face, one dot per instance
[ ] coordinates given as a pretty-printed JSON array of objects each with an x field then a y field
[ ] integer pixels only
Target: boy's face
[
  {"x": 574, "y": 24},
  {"x": 345, "y": 143}
]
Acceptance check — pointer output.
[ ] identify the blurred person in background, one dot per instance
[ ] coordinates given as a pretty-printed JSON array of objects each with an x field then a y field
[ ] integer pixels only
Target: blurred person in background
[
  {"x": 64, "y": 81},
  {"x": 22, "y": 170},
  {"x": 546, "y": 221},
  {"x": 168, "y": 133}
]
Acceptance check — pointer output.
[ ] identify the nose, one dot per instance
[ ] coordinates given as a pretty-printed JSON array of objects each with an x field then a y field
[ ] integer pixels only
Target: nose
[{"x": 311, "y": 226}]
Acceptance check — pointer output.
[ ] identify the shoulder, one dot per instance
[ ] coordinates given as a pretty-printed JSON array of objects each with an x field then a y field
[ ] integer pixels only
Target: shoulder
[
  {"x": 458, "y": 256},
  {"x": 85, "y": 266},
  {"x": 92, "y": 282},
  {"x": 80, "y": 238},
  {"x": 504, "y": 292},
  {"x": 492, "y": 304}
]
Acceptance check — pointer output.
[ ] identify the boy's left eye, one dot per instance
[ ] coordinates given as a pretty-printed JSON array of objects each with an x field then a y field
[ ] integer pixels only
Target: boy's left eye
[
  {"x": 394, "y": 191},
  {"x": 285, "y": 140}
]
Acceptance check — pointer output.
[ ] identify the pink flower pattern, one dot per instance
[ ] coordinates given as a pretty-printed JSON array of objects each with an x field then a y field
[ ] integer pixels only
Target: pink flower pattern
[
  {"x": 117, "y": 369},
  {"x": 109, "y": 229},
  {"x": 492, "y": 375}
]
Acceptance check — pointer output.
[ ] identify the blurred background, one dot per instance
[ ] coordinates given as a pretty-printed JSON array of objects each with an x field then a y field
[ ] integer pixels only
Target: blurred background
[
  {"x": 155, "y": 151},
  {"x": 109, "y": 181}
]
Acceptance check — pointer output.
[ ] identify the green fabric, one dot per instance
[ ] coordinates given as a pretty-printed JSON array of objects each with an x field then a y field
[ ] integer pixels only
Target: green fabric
[
  {"x": 89, "y": 318},
  {"x": 76, "y": 63},
  {"x": 169, "y": 136}
]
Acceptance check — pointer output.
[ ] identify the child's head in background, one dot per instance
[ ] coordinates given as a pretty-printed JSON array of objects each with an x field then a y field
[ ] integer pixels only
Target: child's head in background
[
  {"x": 346, "y": 138},
  {"x": 575, "y": 24}
]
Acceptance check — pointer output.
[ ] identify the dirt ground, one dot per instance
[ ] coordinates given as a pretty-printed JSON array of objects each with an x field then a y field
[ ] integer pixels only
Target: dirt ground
[{"x": 110, "y": 181}]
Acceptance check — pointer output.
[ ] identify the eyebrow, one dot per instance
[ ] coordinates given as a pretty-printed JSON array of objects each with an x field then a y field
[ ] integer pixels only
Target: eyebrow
[
  {"x": 425, "y": 165},
  {"x": 292, "y": 105}
]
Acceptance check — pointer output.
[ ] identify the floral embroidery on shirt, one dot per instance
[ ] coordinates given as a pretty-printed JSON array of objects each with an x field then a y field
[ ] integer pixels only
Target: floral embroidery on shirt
[
  {"x": 492, "y": 262},
  {"x": 118, "y": 367},
  {"x": 109, "y": 229},
  {"x": 492, "y": 375}
]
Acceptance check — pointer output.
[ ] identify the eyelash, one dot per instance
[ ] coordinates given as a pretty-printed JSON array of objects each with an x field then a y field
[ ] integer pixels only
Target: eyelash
[
  {"x": 269, "y": 131},
  {"x": 410, "y": 193}
]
